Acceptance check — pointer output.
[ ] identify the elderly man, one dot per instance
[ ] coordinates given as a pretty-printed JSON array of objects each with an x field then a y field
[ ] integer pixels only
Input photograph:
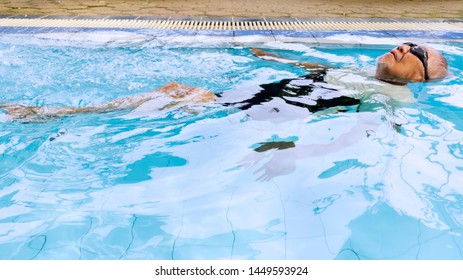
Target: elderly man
[
  {"x": 411, "y": 63},
  {"x": 405, "y": 63},
  {"x": 326, "y": 87}
]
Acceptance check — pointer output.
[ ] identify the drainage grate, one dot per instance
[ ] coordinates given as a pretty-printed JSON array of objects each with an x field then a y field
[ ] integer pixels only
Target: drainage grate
[{"x": 262, "y": 24}]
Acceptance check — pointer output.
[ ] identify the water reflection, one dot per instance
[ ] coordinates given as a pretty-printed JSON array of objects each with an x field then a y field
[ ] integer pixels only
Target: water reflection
[{"x": 290, "y": 169}]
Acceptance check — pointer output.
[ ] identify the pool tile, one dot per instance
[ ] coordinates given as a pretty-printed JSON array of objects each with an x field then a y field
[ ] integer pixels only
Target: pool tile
[
  {"x": 215, "y": 33},
  {"x": 260, "y": 33},
  {"x": 313, "y": 248},
  {"x": 201, "y": 252}
]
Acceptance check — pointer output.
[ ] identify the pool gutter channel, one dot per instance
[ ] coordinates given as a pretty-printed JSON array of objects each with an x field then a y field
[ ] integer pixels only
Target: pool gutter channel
[{"x": 311, "y": 29}]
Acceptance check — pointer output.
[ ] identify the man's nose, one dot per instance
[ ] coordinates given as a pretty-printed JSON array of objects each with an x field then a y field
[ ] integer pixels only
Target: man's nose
[{"x": 402, "y": 49}]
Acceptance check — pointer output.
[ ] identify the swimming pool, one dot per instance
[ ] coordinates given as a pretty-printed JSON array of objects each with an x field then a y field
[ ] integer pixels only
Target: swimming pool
[{"x": 213, "y": 181}]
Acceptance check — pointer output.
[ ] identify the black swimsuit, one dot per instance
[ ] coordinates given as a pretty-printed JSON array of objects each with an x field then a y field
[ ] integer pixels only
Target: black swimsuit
[{"x": 309, "y": 91}]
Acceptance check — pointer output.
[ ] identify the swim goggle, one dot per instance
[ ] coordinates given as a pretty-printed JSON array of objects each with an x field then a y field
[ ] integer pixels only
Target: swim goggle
[{"x": 421, "y": 54}]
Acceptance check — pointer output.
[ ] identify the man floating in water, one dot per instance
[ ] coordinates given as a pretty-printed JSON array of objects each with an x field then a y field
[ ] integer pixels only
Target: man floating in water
[{"x": 315, "y": 91}]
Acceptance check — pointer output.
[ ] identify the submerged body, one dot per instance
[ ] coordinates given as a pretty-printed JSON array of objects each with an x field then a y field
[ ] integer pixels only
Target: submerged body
[
  {"x": 324, "y": 87},
  {"x": 335, "y": 89}
]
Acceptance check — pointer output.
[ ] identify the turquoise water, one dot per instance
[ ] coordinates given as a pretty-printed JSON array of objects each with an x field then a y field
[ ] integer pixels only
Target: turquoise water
[{"x": 215, "y": 182}]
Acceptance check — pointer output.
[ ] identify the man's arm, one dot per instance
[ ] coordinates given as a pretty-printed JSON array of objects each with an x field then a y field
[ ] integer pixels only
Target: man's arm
[
  {"x": 176, "y": 94},
  {"x": 35, "y": 113},
  {"x": 272, "y": 57}
]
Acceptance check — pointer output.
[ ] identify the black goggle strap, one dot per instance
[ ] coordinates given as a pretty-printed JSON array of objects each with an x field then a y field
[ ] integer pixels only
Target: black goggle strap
[{"x": 422, "y": 55}]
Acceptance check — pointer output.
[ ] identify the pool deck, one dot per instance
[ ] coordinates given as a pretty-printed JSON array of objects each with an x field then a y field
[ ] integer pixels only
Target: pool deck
[
  {"x": 315, "y": 21},
  {"x": 239, "y": 8}
]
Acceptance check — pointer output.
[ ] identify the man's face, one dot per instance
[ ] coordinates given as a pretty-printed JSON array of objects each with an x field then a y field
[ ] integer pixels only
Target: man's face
[{"x": 400, "y": 65}]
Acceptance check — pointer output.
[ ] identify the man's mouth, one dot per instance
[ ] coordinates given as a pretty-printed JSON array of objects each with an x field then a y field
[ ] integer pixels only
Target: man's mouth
[{"x": 393, "y": 54}]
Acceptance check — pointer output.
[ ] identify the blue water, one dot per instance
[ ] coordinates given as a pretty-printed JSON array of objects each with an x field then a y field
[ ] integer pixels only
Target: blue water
[{"x": 191, "y": 183}]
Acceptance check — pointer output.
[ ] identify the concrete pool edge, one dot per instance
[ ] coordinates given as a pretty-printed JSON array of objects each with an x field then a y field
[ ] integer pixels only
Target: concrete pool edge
[{"x": 313, "y": 30}]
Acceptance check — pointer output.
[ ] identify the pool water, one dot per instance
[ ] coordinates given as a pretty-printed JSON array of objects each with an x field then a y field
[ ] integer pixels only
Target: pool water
[{"x": 217, "y": 182}]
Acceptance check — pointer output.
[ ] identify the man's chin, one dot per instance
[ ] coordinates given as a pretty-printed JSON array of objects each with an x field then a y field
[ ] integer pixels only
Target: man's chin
[
  {"x": 382, "y": 73},
  {"x": 385, "y": 58}
]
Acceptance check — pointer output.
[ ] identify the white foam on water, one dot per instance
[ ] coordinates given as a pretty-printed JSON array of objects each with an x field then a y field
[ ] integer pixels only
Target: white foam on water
[{"x": 451, "y": 94}]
